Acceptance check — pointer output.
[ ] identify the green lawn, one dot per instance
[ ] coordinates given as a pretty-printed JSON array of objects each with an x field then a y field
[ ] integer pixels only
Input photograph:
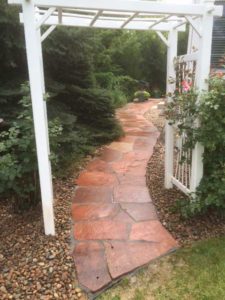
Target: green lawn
[{"x": 196, "y": 272}]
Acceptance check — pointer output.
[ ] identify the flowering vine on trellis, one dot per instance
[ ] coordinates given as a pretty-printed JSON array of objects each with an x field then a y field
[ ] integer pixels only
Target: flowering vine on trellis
[{"x": 181, "y": 113}]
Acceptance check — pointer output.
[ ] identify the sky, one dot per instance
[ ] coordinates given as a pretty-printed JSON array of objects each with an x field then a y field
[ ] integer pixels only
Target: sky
[{"x": 178, "y": 1}]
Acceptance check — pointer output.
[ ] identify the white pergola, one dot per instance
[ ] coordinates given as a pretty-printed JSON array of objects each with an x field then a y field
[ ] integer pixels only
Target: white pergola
[{"x": 117, "y": 14}]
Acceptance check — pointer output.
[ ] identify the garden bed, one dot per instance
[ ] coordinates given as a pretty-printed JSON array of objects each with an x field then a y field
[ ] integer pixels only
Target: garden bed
[
  {"x": 184, "y": 230},
  {"x": 32, "y": 265}
]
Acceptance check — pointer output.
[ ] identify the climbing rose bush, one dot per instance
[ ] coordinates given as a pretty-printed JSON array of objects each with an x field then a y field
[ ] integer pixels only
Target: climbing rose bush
[{"x": 210, "y": 111}]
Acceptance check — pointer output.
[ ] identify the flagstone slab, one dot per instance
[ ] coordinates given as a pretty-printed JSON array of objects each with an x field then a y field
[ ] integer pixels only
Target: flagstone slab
[
  {"x": 115, "y": 225},
  {"x": 99, "y": 165},
  {"x": 92, "y": 269},
  {"x": 110, "y": 155},
  {"x": 137, "y": 169},
  {"x": 152, "y": 231},
  {"x": 101, "y": 230},
  {"x": 143, "y": 155},
  {"x": 144, "y": 144},
  {"x": 96, "y": 178},
  {"x": 129, "y": 164},
  {"x": 131, "y": 178},
  {"x": 81, "y": 212},
  {"x": 127, "y": 139},
  {"x": 124, "y": 257},
  {"x": 90, "y": 194},
  {"x": 121, "y": 146},
  {"x": 135, "y": 124},
  {"x": 123, "y": 217},
  {"x": 136, "y": 132},
  {"x": 140, "y": 211},
  {"x": 130, "y": 193},
  {"x": 121, "y": 166}
]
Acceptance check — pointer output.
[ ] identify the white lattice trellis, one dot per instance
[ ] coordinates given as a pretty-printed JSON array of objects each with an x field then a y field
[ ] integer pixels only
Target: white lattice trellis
[
  {"x": 194, "y": 68},
  {"x": 185, "y": 67}
]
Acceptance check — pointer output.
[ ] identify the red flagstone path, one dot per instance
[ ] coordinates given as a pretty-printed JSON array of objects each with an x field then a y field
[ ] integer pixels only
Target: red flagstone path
[{"x": 116, "y": 229}]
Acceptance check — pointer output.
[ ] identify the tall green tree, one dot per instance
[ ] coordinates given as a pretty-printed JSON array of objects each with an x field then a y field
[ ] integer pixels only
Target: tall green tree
[{"x": 12, "y": 59}]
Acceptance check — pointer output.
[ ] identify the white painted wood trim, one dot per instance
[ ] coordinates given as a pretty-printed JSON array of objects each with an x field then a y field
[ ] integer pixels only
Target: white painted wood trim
[
  {"x": 47, "y": 32},
  {"x": 129, "y": 6},
  {"x": 105, "y": 23},
  {"x": 60, "y": 15},
  {"x": 39, "y": 116},
  {"x": 196, "y": 166},
  {"x": 163, "y": 38},
  {"x": 202, "y": 75},
  {"x": 188, "y": 57},
  {"x": 184, "y": 22},
  {"x": 45, "y": 17},
  {"x": 95, "y": 18},
  {"x": 194, "y": 25},
  {"x": 129, "y": 19},
  {"x": 180, "y": 186},
  {"x": 159, "y": 21},
  {"x": 170, "y": 87}
]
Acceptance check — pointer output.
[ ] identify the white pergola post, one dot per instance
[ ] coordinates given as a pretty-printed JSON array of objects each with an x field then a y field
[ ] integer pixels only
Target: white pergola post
[
  {"x": 170, "y": 87},
  {"x": 202, "y": 75},
  {"x": 35, "y": 68},
  {"x": 43, "y": 82}
]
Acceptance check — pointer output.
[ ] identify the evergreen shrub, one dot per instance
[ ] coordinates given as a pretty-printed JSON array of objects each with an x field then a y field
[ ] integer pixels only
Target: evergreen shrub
[{"x": 142, "y": 95}]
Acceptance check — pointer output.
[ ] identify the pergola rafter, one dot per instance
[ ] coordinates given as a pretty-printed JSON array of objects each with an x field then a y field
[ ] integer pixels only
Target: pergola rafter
[
  {"x": 95, "y": 18},
  {"x": 160, "y": 20},
  {"x": 105, "y": 19},
  {"x": 117, "y": 14},
  {"x": 185, "y": 21},
  {"x": 60, "y": 15},
  {"x": 129, "y": 19}
]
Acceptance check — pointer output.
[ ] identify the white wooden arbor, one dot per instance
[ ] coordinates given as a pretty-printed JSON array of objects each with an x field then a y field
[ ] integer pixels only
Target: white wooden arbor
[{"x": 117, "y": 14}]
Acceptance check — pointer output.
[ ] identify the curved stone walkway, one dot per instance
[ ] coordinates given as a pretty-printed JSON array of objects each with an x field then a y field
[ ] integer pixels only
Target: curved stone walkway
[{"x": 116, "y": 229}]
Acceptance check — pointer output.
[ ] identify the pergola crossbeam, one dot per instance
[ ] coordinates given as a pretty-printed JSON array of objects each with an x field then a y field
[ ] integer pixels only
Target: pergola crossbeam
[{"x": 129, "y": 6}]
